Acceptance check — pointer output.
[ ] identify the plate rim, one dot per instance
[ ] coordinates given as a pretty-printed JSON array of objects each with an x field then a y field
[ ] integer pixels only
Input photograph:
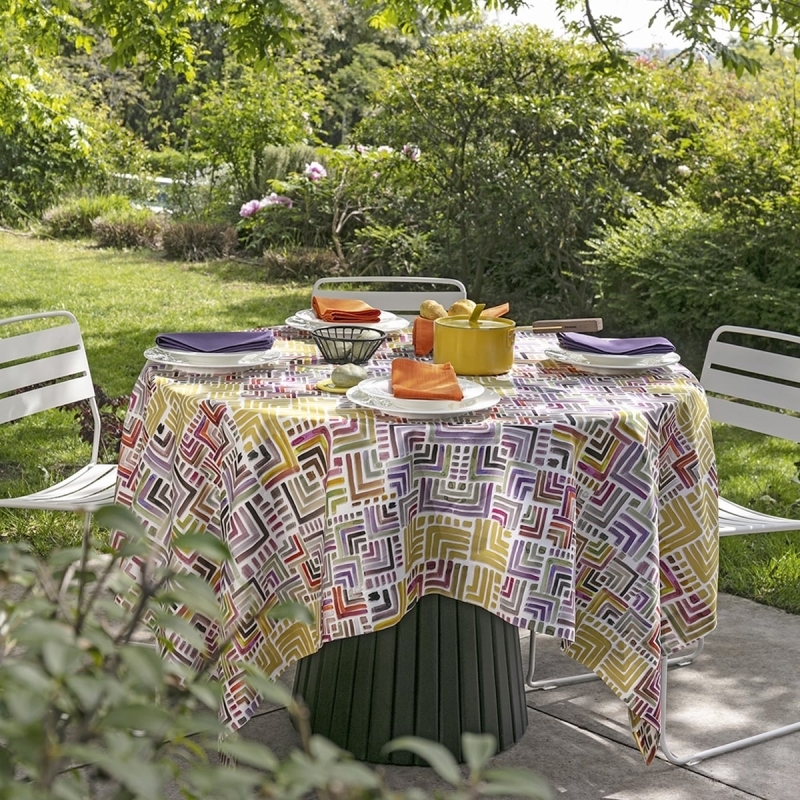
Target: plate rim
[
  {"x": 390, "y": 315},
  {"x": 487, "y": 399},
  {"x": 180, "y": 355},
  {"x": 388, "y": 326},
  {"x": 172, "y": 361},
  {"x": 400, "y": 401},
  {"x": 635, "y": 362}
]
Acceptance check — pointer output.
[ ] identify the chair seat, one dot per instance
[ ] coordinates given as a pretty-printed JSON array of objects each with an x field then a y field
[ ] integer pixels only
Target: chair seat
[
  {"x": 85, "y": 490},
  {"x": 734, "y": 519}
]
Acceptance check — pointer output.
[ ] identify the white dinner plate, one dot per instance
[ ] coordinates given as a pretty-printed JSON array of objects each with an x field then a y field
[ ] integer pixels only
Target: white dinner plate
[
  {"x": 212, "y": 362},
  {"x": 605, "y": 364},
  {"x": 375, "y": 393},
  {"x": 381, "y": 389},
  {"x": 307, "y": 320}
]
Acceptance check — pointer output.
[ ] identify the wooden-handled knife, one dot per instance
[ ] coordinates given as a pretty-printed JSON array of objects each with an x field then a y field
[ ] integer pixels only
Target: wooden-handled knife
[{"x": 582, "y": 325}]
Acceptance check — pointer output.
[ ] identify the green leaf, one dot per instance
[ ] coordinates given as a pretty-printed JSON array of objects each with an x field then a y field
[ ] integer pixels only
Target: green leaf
[
  {"x": 87, "y": 689},
  {"x": 354, "y": 774},
  {"x": 478, "y": 749},
  {"x": 268, "y": 688},
  {"x": 203, "y": 543},
  {"x": 515, "y": 782},
  {"x": 143, "y": 662},
  {"x": 219, "y": 782},
  {"x": 36, "y": 632},
  {"x": 207, "y": 693},
  {"x": 120, "y": 518},
  {"x": 153, "y": 719},
  {"x": 195, "y": 593},
  {"x": 254, "y": 754},
  {"x": 27, "y": 706},
  {"x": 141, "y": 778},
  {"x": 437, "y": 755},
  {"x": 60, "y": 658},
  {"x": 167, "y": 621}
]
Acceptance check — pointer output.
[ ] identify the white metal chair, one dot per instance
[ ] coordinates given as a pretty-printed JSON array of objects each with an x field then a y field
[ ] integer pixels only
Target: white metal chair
[
  {"x": 403, "y": 302},
  {"x": 752, "y": 380},
  {"x": 44, "y": 366}
]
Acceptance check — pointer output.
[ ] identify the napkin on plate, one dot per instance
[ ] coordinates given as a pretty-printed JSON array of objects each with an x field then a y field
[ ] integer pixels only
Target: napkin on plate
[
  {"x": 422, "y": 330},
  {"x": 332, "y": 310},
  {"x": 645, "y": 345},
  {"x": 217, "y": 341},
  {"x": 418, "y": 380}
]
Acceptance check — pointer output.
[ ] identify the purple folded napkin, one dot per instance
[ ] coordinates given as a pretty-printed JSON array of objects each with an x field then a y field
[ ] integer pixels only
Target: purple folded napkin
[
  {"x": 217, "y": 341},
  {"x": 645, "y": 345}
]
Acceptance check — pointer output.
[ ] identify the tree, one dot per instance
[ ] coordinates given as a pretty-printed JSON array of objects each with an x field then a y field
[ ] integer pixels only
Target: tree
[
  {"x": 526, "y": 144},
  {"x": 166, "y": 37}
]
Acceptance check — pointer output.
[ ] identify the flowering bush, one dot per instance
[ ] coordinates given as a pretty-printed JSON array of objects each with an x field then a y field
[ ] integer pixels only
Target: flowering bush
[{"x": 333, "y": 205}]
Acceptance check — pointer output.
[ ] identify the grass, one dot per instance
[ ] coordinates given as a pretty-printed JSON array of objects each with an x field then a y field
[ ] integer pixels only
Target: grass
[{"x": 123, "y": 300}]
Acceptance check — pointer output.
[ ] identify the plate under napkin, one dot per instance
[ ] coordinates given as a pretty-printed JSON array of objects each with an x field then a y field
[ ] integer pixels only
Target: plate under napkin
[
  {"x": 217, "y": 341},
  {"x": 584, "y": 343}
]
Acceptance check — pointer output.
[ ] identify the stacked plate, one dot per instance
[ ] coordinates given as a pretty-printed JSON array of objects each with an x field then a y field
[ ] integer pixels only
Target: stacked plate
[
  {"x": 307, "y": 320},
  {"x": 605, "y": 364},
  {"x": 376, "y": 393},
  {"x": 212, "y": 362}
]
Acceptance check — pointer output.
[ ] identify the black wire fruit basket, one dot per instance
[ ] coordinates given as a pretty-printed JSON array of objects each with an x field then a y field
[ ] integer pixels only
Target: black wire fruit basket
[{"x": 347, "y": 344}]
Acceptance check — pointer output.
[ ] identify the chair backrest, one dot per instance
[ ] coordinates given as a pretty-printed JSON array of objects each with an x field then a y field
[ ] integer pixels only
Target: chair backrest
[
  {"x": 43, "y": 365},
  {"x": 397, "y": 297},
  {"x": 752, "y": 379}
]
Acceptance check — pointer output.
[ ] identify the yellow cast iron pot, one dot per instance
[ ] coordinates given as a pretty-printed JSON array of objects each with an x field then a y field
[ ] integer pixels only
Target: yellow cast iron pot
[{"x": 483, "y": 348}]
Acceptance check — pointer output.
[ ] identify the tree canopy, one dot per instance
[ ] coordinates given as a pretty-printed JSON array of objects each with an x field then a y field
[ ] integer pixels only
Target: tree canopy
[{"x": 167, "y": 35}]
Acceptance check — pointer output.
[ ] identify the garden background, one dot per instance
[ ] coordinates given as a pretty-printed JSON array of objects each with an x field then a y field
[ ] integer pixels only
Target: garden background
[{"x": 662, "y": 196}]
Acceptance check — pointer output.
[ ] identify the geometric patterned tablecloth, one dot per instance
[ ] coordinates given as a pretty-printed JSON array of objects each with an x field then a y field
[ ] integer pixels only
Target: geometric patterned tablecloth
[{"x": 583, "y": 506}]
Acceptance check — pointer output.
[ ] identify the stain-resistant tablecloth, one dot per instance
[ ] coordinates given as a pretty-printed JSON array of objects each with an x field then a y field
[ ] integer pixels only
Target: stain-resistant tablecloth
[{"x": 582, "y": 505}]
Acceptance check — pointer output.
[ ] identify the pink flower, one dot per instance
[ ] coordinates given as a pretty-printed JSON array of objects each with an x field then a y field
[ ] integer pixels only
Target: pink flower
[
  {"x": 411, "y": 152},
  {"x": 275, "y": 200},
  {"x": 315, "y": 171},
  {"x": 250, "y": 208}
]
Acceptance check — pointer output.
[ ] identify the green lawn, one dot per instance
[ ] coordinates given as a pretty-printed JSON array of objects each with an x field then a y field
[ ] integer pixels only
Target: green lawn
[{"x": 123, "y": 300}]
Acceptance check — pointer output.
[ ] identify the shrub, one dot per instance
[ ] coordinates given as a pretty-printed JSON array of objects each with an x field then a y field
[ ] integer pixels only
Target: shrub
[
  {"x": 133, "y": 227},
  {"x": 73, "y": 218},
  {"x": 89, "y": 709},
  {"x": 680, "y": 271},
  {"x": 234, "y": 120},
  {"x": 55, "y": 139},
  {"x": 342, "y": 201},
  {"x": 305, "y": 264},
  {"x": 526, "y": 143},
  {"x": 198, "y": 241}
]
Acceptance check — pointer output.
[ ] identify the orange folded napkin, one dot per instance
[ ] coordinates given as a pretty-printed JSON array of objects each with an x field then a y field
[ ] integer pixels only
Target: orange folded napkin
[
  {"x": 331, "y": 310},
  {"x": 496, "y": 311},
  {"x": 418, "y": 380},
  {"x": 422, "y": 330}
]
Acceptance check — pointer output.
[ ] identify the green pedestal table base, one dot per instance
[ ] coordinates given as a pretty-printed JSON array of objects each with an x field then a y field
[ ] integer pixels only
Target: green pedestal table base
[{"x": 445, "y": 669}]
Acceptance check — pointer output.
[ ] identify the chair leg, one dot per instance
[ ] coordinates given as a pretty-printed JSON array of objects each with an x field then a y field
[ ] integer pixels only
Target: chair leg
[
  {"x": 702, "y": 755},
  {"x": 681, "y": 659}
]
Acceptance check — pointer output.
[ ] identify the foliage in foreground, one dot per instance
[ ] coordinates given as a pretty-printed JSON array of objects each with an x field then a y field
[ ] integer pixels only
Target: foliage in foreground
[{"x": 88, "y": 709}]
